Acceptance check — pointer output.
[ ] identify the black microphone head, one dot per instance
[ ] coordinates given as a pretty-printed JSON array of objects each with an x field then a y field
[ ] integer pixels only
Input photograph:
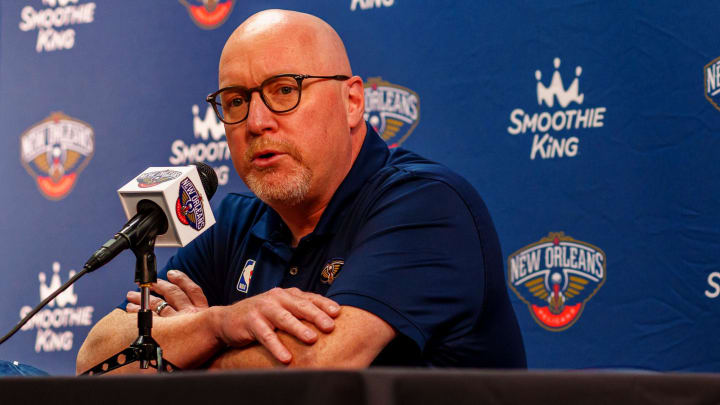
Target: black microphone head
[{"x": 208, "y": 177}]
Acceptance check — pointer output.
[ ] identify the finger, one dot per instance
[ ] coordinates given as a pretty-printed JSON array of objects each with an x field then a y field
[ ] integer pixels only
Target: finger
[
  {"x": 132, "y": 308},
  {"x": 192, "y": 290},
  {"x": 304, "y": 308},
  {"x": 167, "y": 310},
  {"x": 328, "y": 306},
  {"x": 173, "y": 294},
  {"x": 284, "y": 320},
  {"x": 134, "y": 297},
  {"x": 267, "y": 337}
]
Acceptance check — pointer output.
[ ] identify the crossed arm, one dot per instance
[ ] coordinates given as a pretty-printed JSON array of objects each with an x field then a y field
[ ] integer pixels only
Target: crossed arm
[{"x": 280, "y": 327}]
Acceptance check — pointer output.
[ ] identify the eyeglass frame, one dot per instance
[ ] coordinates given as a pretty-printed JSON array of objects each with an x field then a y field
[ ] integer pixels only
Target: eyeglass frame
[{"x": 298, "y": 78}]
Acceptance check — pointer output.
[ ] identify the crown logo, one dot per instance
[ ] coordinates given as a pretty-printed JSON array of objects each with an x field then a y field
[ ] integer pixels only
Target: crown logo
[
  {"x": 66, "y": 297},
  {"x": 207, "y": 127},
  {"x": 556, "y": 89}
]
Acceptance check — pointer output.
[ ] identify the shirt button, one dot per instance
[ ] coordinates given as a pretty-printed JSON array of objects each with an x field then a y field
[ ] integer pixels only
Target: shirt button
[{"x": 293, "y": 270}]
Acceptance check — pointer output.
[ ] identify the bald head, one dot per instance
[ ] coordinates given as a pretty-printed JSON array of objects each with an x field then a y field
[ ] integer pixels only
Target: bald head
[
  {"x": 284, "y": 38},
  {"x": 292, "y": 159}
]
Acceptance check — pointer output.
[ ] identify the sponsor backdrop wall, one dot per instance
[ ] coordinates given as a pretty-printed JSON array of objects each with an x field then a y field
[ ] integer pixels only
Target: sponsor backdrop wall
[{"x": 590, "y": 129}]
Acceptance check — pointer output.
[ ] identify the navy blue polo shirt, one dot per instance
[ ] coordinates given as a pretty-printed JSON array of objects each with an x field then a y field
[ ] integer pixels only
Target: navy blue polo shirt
[{"x": 403, "y": 238}]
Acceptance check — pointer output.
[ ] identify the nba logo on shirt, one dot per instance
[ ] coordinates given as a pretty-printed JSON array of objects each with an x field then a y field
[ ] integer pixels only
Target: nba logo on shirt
[{"x": 244, "y": 282}]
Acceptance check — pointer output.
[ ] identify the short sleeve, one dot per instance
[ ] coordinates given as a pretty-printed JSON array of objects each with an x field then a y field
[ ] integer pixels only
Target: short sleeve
[{"x": 416, "y": 262}]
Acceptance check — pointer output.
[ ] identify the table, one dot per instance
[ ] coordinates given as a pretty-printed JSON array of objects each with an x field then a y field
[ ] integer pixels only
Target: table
[{"x": 377, "y": 386}]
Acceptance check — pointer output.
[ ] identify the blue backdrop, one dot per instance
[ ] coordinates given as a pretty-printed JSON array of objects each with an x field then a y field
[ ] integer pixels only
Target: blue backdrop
[{"x": 589, "y": 128}]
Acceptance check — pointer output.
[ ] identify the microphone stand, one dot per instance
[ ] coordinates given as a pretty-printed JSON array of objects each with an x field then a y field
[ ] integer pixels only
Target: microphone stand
[
  {"x": 144, "y": 349},
  {"x": 139, "y": 235}
]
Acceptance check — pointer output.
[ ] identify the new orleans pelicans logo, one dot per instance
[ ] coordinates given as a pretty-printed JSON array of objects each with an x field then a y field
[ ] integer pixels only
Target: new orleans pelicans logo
[
  {"x": 189, "y": 208},
  {"x": 392, "y": 110},
  {"x": 330, "y": 271},
  {"x": 712, "y": 82},
  {"x": 150, "y": 179},
  {"x": 55, "y": 151},
  {"x": 556, "y": 277},
  {"x": 208, "y": 14}
]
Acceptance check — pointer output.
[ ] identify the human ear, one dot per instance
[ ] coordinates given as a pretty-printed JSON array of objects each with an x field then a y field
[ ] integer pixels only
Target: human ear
[{"x": 355, "y": 101}]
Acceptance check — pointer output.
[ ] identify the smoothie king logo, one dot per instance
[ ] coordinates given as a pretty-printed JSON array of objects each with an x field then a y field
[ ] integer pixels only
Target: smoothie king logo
[
  {"x": 392, "y": 110},
  {"x": 712, "y": 82},
  {"x": 211, "y": 146},
  {"x": 52, "y": 22},
  {"x": 55, "y": 151},
  {"x": 208, "y": 14},
  {"x": 369, "y": 4},
  {"x": 62, "y": 313},
  {"x": 556, "y": 277},
  {"x": 558, "y": 121}
]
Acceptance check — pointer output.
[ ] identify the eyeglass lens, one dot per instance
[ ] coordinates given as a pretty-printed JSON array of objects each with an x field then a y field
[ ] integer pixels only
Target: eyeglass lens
[{"x": 280, "y": 94}]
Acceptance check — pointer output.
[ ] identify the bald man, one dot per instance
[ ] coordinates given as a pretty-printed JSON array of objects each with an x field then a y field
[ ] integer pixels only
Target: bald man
[{"x": 347, "y": 255}]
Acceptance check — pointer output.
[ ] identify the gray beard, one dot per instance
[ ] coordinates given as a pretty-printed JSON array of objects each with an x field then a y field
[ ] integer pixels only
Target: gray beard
[{"x": 291, "y": 192}]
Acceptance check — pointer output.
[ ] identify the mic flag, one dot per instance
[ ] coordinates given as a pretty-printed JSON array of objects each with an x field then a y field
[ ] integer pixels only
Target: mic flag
[{"x": 180, "y": 192}]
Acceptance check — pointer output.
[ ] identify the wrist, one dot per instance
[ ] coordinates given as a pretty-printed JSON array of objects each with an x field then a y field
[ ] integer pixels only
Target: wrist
[{"x": 214, "y": 320}]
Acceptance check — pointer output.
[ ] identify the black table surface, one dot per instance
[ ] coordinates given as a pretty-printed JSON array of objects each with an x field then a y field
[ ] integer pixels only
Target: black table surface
[{"x": 376, "y": 386}]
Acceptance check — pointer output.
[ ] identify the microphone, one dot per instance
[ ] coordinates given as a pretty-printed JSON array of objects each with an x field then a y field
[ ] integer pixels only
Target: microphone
[{"x": 162, "y": 203}]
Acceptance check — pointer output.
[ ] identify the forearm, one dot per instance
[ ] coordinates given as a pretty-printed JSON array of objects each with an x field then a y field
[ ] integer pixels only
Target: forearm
[
  {"x": 257, "y": 356},
  {"x": 186, "y": 340},
  {"x": 355, "y": 342},
  {"x": 253, "y": 356}
]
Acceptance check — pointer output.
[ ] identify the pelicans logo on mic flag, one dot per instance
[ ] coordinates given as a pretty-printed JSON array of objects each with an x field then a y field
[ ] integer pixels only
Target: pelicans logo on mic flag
[
  {"x": 712, "y": 82},
  {"x": 150, "y": 179},
  {"x": 392, "y": 110},
  {"x": 54, "y": 152},
  {"x": 189, "y": 208},
  {"x": 556, "y": 277}
]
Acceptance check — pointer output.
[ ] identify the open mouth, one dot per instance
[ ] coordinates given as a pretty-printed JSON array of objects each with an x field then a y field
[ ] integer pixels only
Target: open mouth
[{"x": 266, "y": 157}]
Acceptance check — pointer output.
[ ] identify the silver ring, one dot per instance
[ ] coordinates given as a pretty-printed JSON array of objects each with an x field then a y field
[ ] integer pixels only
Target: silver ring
[{"x": 161, "y": 307}]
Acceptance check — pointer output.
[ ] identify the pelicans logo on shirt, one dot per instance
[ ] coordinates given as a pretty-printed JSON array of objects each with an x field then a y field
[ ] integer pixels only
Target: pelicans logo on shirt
[
  {"x": 556, "y": 277},
  {"x": 392, "y": 110},
  {"x": 54, "y": 152},
  {"x": 330, "y": 271},
  {"x": 208, "y": 14}
]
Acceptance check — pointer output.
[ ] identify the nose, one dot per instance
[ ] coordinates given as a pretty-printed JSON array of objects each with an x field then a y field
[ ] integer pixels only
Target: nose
[{"x": 260, "y": 119}]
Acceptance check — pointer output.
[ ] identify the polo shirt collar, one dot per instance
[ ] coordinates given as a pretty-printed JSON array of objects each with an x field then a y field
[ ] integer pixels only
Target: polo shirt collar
[
  {"x": 271, "y": 227},
  {"x": 372, "y": 157}
]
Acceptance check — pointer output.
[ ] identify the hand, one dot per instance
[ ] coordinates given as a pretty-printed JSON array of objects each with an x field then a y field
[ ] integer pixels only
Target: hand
[
  {"x": 255, "y": 319},
  {"x": 181, "y": 293}
]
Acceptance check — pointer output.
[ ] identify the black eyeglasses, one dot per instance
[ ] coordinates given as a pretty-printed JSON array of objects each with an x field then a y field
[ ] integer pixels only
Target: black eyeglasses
[{"x": 280, "y": 94}]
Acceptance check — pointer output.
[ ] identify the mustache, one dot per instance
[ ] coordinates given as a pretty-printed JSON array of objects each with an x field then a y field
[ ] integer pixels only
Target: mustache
[{"x": 279, "y": 145}]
